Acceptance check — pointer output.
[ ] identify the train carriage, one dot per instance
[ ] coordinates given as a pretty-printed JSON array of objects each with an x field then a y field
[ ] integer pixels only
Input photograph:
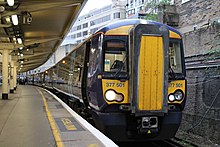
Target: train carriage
[{"x": 129, "y": 77}]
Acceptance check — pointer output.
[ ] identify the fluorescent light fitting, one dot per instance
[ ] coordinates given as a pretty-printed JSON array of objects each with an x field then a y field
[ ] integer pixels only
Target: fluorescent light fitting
[
  {"x": 14, "y": 19},
  {"x": 19, "y": 40},
  {"x": 10, "y": 2},
  {"x": 8, "y": 20}
]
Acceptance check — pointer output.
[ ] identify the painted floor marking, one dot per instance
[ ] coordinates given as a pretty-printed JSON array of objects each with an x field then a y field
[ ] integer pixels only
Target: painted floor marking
[
  {"x": 55, "y": 131},
  {"x": 68, "y": 124}
]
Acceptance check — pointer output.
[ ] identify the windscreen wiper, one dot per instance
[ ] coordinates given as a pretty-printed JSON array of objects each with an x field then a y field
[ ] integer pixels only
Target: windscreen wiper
[
  {"x": 171, "y": 73},
  {"x": 120, "y": 68}
]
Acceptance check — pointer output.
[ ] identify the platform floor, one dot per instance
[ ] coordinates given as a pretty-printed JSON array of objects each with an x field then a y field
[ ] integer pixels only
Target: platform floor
[{"x": 32, "y": 117}]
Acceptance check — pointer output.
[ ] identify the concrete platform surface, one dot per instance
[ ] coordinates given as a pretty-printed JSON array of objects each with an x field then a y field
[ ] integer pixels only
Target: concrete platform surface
[
  {"x": 23, "y": 121},
  {"x": 34, "y": 117}
]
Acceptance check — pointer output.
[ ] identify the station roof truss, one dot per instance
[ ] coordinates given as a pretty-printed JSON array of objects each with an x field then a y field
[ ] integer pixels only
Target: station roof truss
[{"x": 42, "y": 26}]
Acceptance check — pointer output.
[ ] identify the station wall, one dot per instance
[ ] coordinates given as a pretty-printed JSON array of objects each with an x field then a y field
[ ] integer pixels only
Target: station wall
[{"x": 199, "y": 21}]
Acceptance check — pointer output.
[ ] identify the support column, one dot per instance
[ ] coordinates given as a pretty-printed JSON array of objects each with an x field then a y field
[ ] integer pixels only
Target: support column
[
  {"x": 15, "y": 77},
  {"x": 11, "y": 77},
  {"x": 5, "y": 55}
]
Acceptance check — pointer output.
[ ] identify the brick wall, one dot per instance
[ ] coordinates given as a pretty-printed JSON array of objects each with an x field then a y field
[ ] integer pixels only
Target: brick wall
[
  {"x": 201, "y": 119},
  {"x": 197, "y": 11}
]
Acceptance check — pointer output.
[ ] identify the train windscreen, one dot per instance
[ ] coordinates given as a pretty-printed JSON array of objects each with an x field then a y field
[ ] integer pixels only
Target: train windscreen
[
  {"x": 175, "y": 60},
  {"x": 115, "y": 56}
]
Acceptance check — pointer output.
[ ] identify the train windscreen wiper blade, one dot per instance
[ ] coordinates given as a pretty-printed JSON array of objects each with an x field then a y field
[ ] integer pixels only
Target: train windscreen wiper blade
[
  {"x": 171, "y": 72},
  {"x": 120, "y": 68}
]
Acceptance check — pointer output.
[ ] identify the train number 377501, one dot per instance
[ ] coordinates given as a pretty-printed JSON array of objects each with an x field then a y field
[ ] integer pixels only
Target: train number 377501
[{"x": 115, "y": 84}]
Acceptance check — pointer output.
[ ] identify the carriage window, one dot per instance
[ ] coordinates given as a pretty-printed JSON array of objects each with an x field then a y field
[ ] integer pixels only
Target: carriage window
[
  {"x": 115, "y": 56},
  {"x": 175, "y": 57}
]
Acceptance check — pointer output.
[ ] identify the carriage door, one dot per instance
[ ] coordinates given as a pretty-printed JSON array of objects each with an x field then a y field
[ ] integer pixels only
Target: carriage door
[{"x": 85, "y": 71}]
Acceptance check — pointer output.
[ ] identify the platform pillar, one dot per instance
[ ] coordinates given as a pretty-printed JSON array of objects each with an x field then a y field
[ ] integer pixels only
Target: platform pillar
[
  {"x": 11, "y": 77},
  {"x": 15, "y": 77},
  {"x": 5, "y": 59}
]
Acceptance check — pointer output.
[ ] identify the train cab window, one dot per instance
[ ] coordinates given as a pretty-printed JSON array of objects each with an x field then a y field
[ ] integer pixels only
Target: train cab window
[
  {"x": 175, "y": 57},
  {"x": 115, "y": 56}
]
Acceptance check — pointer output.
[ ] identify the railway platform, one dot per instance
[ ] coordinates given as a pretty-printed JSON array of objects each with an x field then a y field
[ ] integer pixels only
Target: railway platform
[{"x": 35, "y": 117}]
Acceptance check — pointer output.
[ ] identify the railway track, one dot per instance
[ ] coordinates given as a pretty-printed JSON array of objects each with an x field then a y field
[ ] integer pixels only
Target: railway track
[
  {"x": 162, "y": 143},
  {"x": 184, "y": 142},
  {"x": 169, "y": 143}
]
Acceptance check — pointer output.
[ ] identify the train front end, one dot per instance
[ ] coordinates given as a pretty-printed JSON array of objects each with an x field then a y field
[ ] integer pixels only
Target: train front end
[{"x": 143, "y": 97}]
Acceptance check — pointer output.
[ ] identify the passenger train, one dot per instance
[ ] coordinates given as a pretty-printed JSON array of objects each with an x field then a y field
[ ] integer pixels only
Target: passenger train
[{"x": 128, "y": 78}]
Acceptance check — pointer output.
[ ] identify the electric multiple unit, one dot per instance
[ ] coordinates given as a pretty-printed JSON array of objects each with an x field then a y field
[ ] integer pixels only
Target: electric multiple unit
[{"x": 129, "y": 77}]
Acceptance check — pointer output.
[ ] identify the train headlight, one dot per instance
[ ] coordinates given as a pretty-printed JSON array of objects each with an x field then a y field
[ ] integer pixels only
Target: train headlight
[
  {"x": 171, "y": 98},
  {"x": 111, "y": 95},
  {"x": 178, "y": 95}
]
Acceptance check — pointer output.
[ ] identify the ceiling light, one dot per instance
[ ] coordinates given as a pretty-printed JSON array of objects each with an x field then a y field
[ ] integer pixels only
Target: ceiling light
[
  {"x": 8, "y": 20},
  {"x": 10, "y": 2},
  {"x": 22, "y": 61},
  {"x": 14, "y": 39},
  {"x": 20, "y": 48},
  {"x": 19, "y": 40},
  {"x": 2, "y": 8},
  {"x": 21, "y": 55},
  {"x": 14, "y": 19},
  {"x": 21, "y": 65}
]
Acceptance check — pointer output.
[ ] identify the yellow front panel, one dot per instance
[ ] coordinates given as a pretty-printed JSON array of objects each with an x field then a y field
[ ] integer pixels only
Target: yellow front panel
[
  {"x": 150, "y": 92},
  {"x": 124, "y": 30},
  {"x": 118, "y": 86},
  {"x": 174, "y": 35}
]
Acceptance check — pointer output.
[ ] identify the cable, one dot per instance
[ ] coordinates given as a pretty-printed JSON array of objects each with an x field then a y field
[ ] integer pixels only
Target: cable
[
  {"x": 193, "y": 127},
  {"x": 203, "y": 82},
  {"x": 198, "y": 83}
]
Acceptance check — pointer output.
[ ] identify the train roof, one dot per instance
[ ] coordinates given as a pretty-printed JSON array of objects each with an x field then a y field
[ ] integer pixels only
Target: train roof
[{"x": 128, "y": 22}]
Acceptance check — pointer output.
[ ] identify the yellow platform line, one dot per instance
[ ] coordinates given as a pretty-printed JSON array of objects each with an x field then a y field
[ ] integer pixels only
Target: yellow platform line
[{"x": 55, "y": 131}]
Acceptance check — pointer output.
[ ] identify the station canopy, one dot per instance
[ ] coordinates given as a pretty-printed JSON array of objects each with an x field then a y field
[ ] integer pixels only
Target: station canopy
[{"x": 40, "y": 28}]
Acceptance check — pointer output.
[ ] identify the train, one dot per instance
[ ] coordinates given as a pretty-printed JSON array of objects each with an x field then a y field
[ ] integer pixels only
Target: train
[{"x": 127, "y": 79}]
